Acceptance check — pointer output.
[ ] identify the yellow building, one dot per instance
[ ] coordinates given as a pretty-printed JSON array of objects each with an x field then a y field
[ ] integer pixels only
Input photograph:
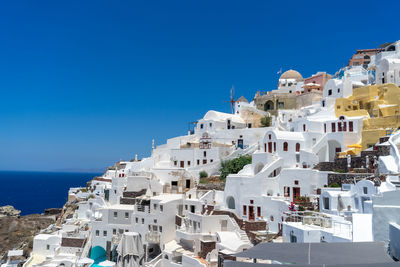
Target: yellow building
[{"x": 380, "y": 106}]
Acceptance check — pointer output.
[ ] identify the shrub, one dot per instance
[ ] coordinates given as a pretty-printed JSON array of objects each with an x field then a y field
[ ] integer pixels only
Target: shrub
[
  {"x": 233, "y": 166},
  {"x": 203, "y": 174},
  {"x": 266, "y": 121},
  {"x": 334, "y": 185}
]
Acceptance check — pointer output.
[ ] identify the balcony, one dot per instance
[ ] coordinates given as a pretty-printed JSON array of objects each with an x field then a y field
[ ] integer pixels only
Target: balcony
[{"x": 153, "y": 237}]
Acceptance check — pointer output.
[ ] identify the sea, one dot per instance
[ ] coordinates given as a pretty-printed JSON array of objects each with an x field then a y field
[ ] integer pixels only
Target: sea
[{"x": 33, "y": 192}]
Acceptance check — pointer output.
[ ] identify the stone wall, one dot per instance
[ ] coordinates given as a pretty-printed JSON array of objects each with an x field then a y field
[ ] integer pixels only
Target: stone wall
[
  {"x": 346, "y": 178},
  {"x": 206, "y": 247}
]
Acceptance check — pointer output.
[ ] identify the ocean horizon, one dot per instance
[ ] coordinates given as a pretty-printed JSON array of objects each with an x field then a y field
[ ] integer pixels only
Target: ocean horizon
[{"x": 34, "y": 191}]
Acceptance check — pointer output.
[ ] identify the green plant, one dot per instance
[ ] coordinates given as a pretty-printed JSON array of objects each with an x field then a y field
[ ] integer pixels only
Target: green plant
[
  {"x": 266, "y": 121},
  {"x": 204, "y": 181},
  {"x": 203, "y": 174},
  {"x": 233, "y": 166},
  {"x": 334, "y": 185}
]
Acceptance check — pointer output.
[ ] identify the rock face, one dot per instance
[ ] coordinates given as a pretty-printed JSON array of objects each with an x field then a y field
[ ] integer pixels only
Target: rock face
[
  {"x": 18, "y": 232},
  {"x": 9, "y": 211}
]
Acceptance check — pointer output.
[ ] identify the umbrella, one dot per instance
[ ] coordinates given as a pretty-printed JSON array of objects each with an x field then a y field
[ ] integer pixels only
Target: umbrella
[
  {"x": 355, "y": 146},
  {"x": 107, "y": 263},
  {"x": 130, "y": 250}
]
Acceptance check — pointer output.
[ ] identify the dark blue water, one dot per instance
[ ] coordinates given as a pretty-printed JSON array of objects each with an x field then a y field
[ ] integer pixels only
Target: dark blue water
[{"x": 32, "y": 192}]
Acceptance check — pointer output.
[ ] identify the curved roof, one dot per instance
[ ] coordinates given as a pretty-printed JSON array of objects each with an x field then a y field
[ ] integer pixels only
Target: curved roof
[
  {"x": 219, "y": 116},
  {"x": 291, "y": 74}
]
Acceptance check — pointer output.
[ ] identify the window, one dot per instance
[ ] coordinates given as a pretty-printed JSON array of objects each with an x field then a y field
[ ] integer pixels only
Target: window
[
  {"x": 205, "y": 153},
  {"x": 104, "y": 233},
  {"x": 175, "y": 163},
  {"x": 174, "y": 183},
  {"x": 296, "y": 182},
  {"x": 198, "y": 162},
  {"x": 97, "y": 232},
  {"x": 269, "y": 137},
  {"x": 286, "y": 191},
  {"x": 188, "y": 163},
  {"x": 338, "y": 90},
  {"x": 274, "y": 146},
  {"x": 330, "y": 92},
  {"x": 115, "y": 214},
  {"x": 297, "y": 147},
  {"x": 333, "y": 127},
  {"x": 285, "y": 146},
  {"x": 161, "y": 208},
  {"x": 201, "y": 126},
  {"x": 323, "y": 103},
  {"x": 137, "y": 220},
  {"x": 186, "y": 207},
  {"x": 211, "y": 160},
  {"x": 244, "y": 210},
  {"x": 350, "y": 126},
  {"x": 126, "y": 215},
  {"x": 160, "y": 229},
  {"x": 155, "y": 206},
  {"x": 365, "y": 190},
  {"x": 258, "y": 211},
  {"x": 339, "y": 126},
  {"x": 324, "y": 127},
  {"x": 265, "y": 147},
  {"x": 48, "y": 247},
  {"x": 251, "y": 201},
  {"x": 142, "y": 220},
  {"x": 304, "y": 127},
  {"x": 210, "y": 124},
  {"x": 114, "y": 231},
  {"x": 344, "y": 126},
  {"x": 204, "y": 161}
]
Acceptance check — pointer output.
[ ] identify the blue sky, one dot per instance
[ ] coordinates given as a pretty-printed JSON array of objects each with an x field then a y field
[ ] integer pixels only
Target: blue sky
[{"x": 86, "y": 83}]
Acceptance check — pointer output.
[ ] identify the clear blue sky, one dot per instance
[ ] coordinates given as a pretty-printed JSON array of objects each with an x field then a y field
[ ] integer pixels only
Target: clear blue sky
[{"x": 85, "y": 83}]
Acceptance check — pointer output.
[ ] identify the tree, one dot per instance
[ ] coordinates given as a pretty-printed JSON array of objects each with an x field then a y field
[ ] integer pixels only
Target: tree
[
  {"x": 266, "y": 121},
  {"x": 233, "y": 166}
]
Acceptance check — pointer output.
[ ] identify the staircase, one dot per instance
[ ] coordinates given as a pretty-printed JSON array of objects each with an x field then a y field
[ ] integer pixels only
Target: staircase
[{"x": 242, "y": 234}]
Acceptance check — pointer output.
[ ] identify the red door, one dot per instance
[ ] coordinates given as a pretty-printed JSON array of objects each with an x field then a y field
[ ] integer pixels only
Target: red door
[
  {"x": 296, "y": 192},
  {"x": 251, "y": 213}
]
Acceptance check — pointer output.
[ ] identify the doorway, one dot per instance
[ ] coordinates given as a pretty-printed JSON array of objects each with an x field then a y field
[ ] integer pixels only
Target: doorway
[
  {"x": 240, "y": 143},
  {"x": 296, "y": 192},
  {"x": 251, "y": 213}
]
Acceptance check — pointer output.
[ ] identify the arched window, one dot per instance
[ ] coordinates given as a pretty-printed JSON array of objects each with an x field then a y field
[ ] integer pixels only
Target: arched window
[
  {"x": 285, "y": 146},
  {"x": 230, "y": 202},
  {"x": 297, "y": 147}
]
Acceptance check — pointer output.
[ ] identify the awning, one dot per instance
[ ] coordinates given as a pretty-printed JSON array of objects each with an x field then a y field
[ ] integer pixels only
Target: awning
[{"x": 319, "y": 253}]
